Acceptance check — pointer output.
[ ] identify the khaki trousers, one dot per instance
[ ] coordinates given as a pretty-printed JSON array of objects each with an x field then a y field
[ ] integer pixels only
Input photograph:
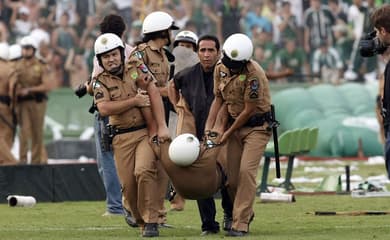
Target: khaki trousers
[
  {"x": 137, "y": 171},
  {"x": 31, "y": 116},
  {"x": 6, "y": 137}
]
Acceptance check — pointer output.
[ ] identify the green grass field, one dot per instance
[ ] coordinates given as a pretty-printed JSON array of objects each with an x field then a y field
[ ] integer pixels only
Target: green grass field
[
  {"x": 273, "y": 221},
  {"x": 82, "y": 220}
]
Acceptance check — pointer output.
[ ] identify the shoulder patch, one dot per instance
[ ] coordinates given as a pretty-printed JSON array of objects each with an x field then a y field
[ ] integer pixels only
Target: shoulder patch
[
  {"x": 134, "y": 75},
  {"x": 138, "y": 54},
  {"x": 96, "y": 85},
  {"x": 222, "y": 74},
  {"x": 254, "y": 88},
  {"x": 242, "y": 77}
]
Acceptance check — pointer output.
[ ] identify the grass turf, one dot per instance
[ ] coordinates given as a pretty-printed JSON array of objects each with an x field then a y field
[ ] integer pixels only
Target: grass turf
[
  {"x": 273, "y": 221},
  {"x": 83, "y": 220}
]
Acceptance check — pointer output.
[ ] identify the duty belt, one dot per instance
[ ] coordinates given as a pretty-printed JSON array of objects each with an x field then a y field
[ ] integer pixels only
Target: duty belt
[
  {"x": 39, "y": 97},
  {"x": 255, "y": 120},
  {"x": 117, "y": 131},
  {"x": 5, "y": 100}
]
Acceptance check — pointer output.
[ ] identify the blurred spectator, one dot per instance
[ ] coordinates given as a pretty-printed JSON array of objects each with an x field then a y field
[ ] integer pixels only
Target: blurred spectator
[
  {"x": 90, "y": 29},
  {"x": 229, "y": 18},
  {"x": 4, "y": 34},
  {"x": 88, "y": 51},
  {"x": 64, "y": 37},
  {"x": 340, "y": 16},
  {"x": 286, "y": 24},
  {"x": 135, "y": 32},
  {"x": 34, "y": 6},
  {"x": 318, "y": 22},
  {"x": 191, "y": 26},
  {"x": 264, "y": 40},
  {"x": 204, "y": 18},
  {"x": 253, "y": 18},
  {"x": 69, "y": 7},
  {"x": 267, "y": 63},
  {"x": 5, "y": 12},
  {"x": 123, "y": 8},
  {"x": 359, "y": 19},
  {"x": 293, "y": 58},
  {"x": 269, "y": 10},
  {"x": 20, "y": 24},
  {"x": 327, "y": 64},
  {"x": 104, "y": 8},
  {"x": 343, "y": 43},
  {"x": 84, "y": 9},
  {"x": 77, "y": 68}
]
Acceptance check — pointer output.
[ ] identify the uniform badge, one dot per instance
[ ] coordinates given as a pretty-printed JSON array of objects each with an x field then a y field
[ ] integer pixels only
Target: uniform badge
[
  {"x": 242, "y": 77},
  {"x": 37, "y": 68},
  {"x": 99, "y": 95},
  {"x": 222, "y": 74},
  {"x": 134, "y": 75}
]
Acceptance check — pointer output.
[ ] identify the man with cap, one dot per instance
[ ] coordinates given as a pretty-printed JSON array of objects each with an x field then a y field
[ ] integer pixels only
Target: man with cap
[
  {"x": 241, "y": 85},
  {"x": 7, "y": 123},
  {"x": 120, "y": 93},
  {"x": 33, "y": 83},
  {"x": 192, "y": 88},
  {"x": 156, "y": 30}
]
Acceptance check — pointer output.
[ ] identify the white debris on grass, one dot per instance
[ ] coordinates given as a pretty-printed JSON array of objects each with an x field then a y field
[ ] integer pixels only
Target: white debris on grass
[{"x": 326, "y": 169}]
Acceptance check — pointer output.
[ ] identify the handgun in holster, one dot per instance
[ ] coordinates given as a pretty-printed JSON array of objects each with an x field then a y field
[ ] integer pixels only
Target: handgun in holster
[{"x": 107, "y": 134}]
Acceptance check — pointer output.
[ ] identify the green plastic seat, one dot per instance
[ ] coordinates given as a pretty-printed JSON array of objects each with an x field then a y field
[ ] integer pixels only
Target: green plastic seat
[
  {"x": 313, "y": 138},
  {"x": 284, "y": 143},
  {"x": 296, "y": 141},
  {"x": 305, "y": 140}
]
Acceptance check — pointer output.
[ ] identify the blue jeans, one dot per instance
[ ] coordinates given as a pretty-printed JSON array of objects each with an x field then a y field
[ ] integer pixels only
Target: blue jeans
[
  {"x": 107, "y": 171},
  {"x": 387, "y": 152}
]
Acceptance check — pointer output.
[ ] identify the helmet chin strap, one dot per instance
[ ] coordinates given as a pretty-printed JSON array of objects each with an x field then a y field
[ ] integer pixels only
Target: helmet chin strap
[{"x": 117, "y": 71}]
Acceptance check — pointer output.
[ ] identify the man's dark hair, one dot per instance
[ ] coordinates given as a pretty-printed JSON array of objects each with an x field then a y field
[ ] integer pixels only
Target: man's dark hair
[
  {"x": 211, "y": 38},
  {"x": 381, "y": 17},
  {"x": 113, "y": 24}
]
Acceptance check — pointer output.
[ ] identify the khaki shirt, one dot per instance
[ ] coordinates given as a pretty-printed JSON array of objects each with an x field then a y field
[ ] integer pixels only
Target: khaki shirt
[
  {"x": 108, "y": 87},
  {"x": 250, "y": 85},
  {"x": 31, "y": 74},
  {"x": 7, "y": 74},
  {"x": 155, "y": 59}
]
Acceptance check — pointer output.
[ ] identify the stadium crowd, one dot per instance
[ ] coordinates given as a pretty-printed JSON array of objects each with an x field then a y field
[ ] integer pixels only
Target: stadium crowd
[{"x": 316, "y": 40}]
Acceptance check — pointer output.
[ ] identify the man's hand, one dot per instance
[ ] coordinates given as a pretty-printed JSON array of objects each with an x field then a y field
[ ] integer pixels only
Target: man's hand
[
  {"x": 142, "y": 98},
  {"x": 144, "y": 80},
  {"x": 163, "y": 134}
]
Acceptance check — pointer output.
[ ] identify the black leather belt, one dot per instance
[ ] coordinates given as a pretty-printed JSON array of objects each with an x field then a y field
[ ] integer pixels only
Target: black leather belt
[
  {"x": 39, "y": 97},
  {"x": 126, "y": 130},
  {"x": 5, "y": 100}
]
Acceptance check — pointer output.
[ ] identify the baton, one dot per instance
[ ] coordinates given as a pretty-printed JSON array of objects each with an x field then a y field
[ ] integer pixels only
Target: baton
[{"x": 274, "y": 126}]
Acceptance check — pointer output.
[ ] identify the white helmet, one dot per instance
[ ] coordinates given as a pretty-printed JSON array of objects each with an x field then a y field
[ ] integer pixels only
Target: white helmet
[
  {"x": 238, "y": 47},
  {"x": 4, "y": 51},
  {"x": 29, "y": 41},
  {"x": 185, "y": 36},
  {"x": 184, "y": 149},
  {"x": 15, "y": 52},
  {"x": 158, "y": 21},
  {"x": 107, "y": 42}
]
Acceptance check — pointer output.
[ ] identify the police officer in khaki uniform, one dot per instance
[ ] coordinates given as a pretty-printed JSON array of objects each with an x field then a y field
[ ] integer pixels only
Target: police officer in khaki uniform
[
  {"x": 156, "y": 29},
  {"x": 7, "y": 123},
  {"x": 117, "y": 94},
  {"x": 32, "y": 86},
  {"x": 240, "y": 84}
]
